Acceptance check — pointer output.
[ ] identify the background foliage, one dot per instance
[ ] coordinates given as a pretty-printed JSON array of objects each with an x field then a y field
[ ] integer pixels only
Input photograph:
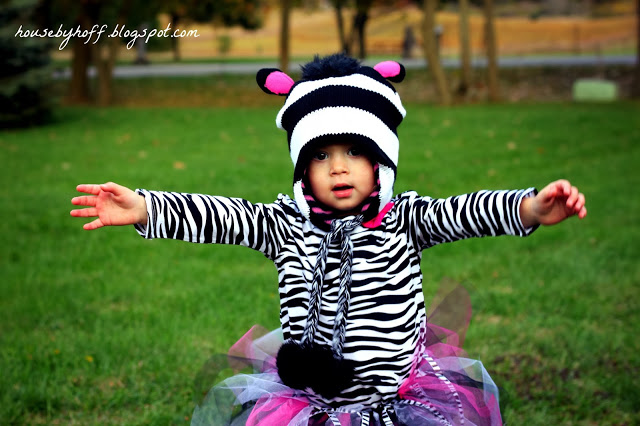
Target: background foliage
[{"x": 25, "y": 74}]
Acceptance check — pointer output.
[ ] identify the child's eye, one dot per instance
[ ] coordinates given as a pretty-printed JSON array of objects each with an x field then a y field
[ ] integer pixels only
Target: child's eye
[
  {"x": 320, "y": 155},
  {"x": 355, "y": 152}
]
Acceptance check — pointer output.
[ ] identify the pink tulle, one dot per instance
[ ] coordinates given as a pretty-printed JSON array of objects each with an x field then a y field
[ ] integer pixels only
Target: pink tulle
[
  {"x": 275, "y": 411},
  {"x": 429, "y": 383},
  {"x": 443, "y": 387}
]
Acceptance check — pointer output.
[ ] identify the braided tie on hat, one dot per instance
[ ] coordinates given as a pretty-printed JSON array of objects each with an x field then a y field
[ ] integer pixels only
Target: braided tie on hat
[
  {"x": 340, "y": 230},
  {"x": 305, "y": 364}
]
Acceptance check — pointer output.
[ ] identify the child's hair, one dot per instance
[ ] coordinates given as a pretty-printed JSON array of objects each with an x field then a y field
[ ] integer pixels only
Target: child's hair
[{"x": 340, "y": 100}]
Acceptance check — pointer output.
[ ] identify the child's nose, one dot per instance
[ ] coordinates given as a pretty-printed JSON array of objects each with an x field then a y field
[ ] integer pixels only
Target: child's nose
[{"x": 338, "y": 165}]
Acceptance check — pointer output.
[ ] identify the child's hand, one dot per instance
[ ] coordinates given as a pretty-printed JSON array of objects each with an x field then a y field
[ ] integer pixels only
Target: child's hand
[
  {"x": 556, "y": 202},
  {"x": 112, "y": 204}
]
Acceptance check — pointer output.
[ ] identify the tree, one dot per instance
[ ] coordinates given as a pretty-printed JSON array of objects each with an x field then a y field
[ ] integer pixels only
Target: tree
[
  {"x": 247, "y": 14},
  {"x": 285, "y": 11},
  {"x": 101, "y": 50},
  {"x": 177, "y": 11},
  {"x": 124, "y": 17},
  {"x": 105, "y": 53},
  {"x": 24, "y": 67},
  {"x": 431, "y": 51},
  {"x": 492, "y": 51},
  {"x": 465, "y": 48},
  {"x": 358, "y": 27},
  {"x": 342, "y": 34}
]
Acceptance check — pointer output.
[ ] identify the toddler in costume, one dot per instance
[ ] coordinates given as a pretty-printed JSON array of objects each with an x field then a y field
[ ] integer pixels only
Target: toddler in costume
[{"x": 354, "y": 347}]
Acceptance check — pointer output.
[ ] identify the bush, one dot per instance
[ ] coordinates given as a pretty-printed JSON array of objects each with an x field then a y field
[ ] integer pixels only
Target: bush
[{"x": 24, "y": 67}]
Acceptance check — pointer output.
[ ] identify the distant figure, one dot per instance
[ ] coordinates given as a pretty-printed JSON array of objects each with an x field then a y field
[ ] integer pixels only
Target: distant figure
[
  {"x": 408, "y": 43},
  {"x": 141, "y": 46},
  {"x": 437, "y": 32}
]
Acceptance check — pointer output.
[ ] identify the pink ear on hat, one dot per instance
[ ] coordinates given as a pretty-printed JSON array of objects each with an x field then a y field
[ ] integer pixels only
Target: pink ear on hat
[
  {"x": 274, "y": 82},
  {"x": 391, "y": 70}
]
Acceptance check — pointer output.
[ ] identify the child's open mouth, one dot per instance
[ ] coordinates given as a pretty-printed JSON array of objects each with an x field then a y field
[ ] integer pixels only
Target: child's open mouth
[{"x": 342, "y": 191}]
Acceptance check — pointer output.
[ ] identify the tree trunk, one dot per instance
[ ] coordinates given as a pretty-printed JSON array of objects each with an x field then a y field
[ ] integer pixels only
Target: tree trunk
[
  {"x": 81, "y": 57},
  {"x": 104, "y": 67},
  {"x": 79, "y": 84},
  {"x": 359, "y": 25},
  {"x": 358, "y": 31},
  {"x": 284, "y": 34},
  {"x": 342, "y": 35},
  {"x": 175, "y": 44},
  {"x": 492, "y": 52},
  {"x": 431, "y": 51},
  {"x": 465, "y": 49}
]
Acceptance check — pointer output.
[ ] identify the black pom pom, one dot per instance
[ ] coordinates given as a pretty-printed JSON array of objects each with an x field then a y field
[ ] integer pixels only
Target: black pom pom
[
  {"x": 337, "y": 65},
  {"x": 292, "y": 363},
  {"x": 333, "y": 375},
  {"x": 315, "y": 367}
]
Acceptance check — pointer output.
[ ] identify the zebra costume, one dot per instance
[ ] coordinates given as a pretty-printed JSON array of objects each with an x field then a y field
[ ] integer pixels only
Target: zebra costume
[
  {"x": 386, "y": 322},
  {"x": 357, "y": 346}
]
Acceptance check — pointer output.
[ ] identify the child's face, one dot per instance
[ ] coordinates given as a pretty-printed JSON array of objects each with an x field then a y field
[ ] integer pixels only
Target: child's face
[{"x": 341, "y": 177}]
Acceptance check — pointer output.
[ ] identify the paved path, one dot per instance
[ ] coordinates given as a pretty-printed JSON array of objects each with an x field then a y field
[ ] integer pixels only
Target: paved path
[{"x": 136, "y": 71}]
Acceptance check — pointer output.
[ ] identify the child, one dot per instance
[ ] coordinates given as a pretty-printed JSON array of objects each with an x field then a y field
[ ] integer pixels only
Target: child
[{"x": 357, "y": 348}]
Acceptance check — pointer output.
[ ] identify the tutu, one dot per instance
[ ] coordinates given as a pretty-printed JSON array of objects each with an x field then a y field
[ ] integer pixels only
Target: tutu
[{"x": 444, "y": 387}]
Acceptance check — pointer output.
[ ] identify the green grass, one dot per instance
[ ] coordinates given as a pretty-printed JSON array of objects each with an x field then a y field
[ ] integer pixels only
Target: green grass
[{"x": 104, "y": 327}]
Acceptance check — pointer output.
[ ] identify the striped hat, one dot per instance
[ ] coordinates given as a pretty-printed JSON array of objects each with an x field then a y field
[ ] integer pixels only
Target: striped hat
[{"x": 339, "y": 100}]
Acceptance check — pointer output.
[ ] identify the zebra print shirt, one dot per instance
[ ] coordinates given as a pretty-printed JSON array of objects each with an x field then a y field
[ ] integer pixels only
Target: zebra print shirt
[{"x": 387, "y": 304}]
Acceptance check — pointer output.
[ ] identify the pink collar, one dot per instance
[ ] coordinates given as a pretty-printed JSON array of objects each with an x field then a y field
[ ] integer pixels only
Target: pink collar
[{"x": 377, "y": 221}]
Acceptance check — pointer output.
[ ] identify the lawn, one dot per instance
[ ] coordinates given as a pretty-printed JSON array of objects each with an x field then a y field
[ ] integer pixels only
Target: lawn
[{"x": 104, "y": 327}]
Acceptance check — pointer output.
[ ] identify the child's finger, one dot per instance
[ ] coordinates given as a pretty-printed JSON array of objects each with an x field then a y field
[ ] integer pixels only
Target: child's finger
[
  {"x": 93, "y": 225},
  {"x": 88, "y": 189},
  {"x": 581, "y": 201},
  {"x": 84, "y": 200},
  {"x": 579, "y": 206},
  {"x": 90, "y": 212},
  {"x": 112, "y": 187},
  {"x": 572, "y": 197},
  {"x": 582, "y": 213},
  {"x": 561, "y": 188}
]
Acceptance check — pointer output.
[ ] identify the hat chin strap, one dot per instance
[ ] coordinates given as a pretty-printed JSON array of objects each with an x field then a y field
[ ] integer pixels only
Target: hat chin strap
[
  {"x": 387, "y": 178},
  {"x": 330, "y": 372}
]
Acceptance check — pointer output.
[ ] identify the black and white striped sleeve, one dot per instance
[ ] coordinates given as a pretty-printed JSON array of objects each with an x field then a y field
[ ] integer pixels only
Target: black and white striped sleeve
[
  {"x": 207, "y": 219},
  {"x": 479, "y": 214}
]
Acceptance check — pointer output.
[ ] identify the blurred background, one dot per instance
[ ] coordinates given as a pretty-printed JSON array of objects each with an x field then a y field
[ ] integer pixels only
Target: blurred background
[{"x": 535, "y": 49}]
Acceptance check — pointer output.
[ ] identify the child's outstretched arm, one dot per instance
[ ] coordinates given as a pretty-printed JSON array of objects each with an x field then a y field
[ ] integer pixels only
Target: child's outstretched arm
[
  {"x": 555, "y": 203},
  {"x": 111, "y": 204}
]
